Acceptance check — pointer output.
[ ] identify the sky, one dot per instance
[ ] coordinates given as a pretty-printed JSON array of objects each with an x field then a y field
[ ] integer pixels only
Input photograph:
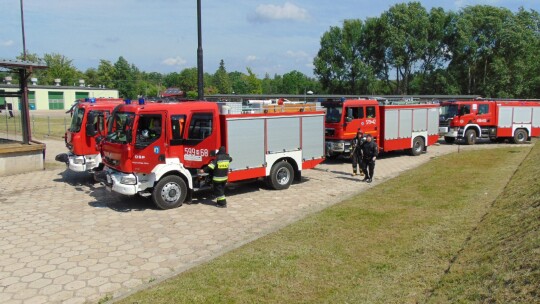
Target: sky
[{"x": 273, "y": 37}]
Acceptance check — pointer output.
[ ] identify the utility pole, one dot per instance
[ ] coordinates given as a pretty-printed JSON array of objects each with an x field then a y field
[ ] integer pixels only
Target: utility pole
[{"x": 200, "y": 80}]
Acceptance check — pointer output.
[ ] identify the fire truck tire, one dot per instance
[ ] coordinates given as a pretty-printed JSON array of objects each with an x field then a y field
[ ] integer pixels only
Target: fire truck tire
[
  {"x": 520, "y": 136},
  {"x": 170, "y": 192},
  {"x": 470, "y": 137},
  {"x": 418, "y": 146},
  {"x": 281, "y": 176},
  {"x": 449, "y": 140}
]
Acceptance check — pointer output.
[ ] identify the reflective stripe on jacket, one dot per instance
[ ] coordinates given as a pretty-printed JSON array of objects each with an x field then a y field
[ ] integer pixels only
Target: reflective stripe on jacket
[{"x": 220, "y": 166}]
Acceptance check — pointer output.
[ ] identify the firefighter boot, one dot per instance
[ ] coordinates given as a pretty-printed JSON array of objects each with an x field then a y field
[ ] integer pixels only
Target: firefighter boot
[
  {"x": 354, "y": 173},
  {"x": 221, "y": 203}
]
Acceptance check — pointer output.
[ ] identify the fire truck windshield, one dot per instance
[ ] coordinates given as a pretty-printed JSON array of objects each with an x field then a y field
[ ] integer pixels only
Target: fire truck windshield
[
  {"x": 122, "y": 128},
  {"x": 448, "y": 111},
  {"x": 76, "y": 120},
  {"x": 333, "y": 114}
]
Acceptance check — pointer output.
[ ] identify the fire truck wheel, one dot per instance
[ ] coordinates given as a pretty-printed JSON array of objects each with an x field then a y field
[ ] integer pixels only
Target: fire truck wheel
[
  {"x": 449, "y": 140},
  {"x": 281, "y": 175},
  {"x": 470, "y": 137},
  {"x": 418, "y": 146},
  {"x": 520, "y": 136},
  {"x": 170, "y": 192}
]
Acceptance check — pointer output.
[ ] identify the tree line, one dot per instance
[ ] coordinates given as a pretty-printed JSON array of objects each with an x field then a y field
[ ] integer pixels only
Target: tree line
[
  {"x": 131, "y": 82},
  {"x": 478, "y": 50},
  {"x": 481, "y": 50}
]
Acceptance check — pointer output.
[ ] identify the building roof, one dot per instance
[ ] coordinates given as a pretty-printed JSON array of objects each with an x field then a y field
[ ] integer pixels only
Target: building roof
[
  {"x": 21, "y": 64},
  {"x": 53, "y": 87}
]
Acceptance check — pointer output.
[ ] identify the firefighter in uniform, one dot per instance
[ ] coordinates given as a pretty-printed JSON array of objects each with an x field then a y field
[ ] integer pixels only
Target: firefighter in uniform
[
  {"x": 220, "y": 168},
  {"x": 356, "y": 152},
  {"x": 370, "y": 150}
]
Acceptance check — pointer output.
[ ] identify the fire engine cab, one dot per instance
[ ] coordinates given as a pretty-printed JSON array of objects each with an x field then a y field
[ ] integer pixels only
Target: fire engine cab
[
  {"x": 498, "y": 120},
  {"x": 87, "y": 124},
  {"x": 394, "y": 127},
  {"x": 158, "y": 149}
]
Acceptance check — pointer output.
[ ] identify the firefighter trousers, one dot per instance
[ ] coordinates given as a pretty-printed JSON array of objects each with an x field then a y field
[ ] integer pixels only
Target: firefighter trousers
[
  {"x": 369, "y": 167},
  {"x": 357, "y": 163},
  {"x": 219, "y": 192}
]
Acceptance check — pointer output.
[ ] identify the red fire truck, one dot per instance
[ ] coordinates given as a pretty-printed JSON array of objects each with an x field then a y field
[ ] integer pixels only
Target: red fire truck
[
  {"x": 82, "y": 133},
  {"x": 157, "y": 149},
  {"x": 496, "y": 120},
  {"x": 394, "y": 127}
]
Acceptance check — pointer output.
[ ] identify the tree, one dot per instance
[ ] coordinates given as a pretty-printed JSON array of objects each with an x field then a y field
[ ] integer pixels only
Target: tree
[
  {"x": 59, "y": 67},
  {"x": 124, "y": 79},
  {"x": 106, "y": 74},
  {"x": 406, "y": 34},
  {"x": 253, "y": 84},
  {"x": 91, "y": 77},
  {"x": 341, "y": 63},
  {"x": 221, "y": 79},
  {"x": 237, "y": 82},
  {"x": 495, "y": 51}
]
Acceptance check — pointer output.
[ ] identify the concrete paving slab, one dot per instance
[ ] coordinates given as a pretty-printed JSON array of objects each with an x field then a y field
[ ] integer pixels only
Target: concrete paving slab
[{"x": 65, "y": 239}]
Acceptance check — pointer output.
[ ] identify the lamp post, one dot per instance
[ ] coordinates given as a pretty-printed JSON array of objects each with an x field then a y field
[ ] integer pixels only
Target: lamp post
[{"x": 200, "y": 80}]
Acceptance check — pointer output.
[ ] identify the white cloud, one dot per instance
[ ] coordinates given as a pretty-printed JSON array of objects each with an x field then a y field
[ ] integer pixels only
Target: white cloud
[
  {"x": 174, "y": 61},
  {"x": 289, "y": 11},
  {"x": 297, "y": 54},
  {"x": 251, "y": 58},
  {"x": 6, "y": 43}
]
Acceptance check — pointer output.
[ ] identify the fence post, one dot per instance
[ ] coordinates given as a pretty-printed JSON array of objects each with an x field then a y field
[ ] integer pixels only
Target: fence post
[
  {"x": 7, "y": 125},
  {"x": 48, "y": 126}
]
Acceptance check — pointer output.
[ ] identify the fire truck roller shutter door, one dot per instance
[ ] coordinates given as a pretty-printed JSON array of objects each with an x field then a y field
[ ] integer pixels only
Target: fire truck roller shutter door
[
  {"x": 536, "y": 117},
  {"x": 419, "y": 120},
  {"x": 405, "y": 123},
  {"x": 433, "y": 121},
  {"x": 279, "y": 135},
  {"x": 391, "y": 125},
  {"x": 312, "y": 137},
  {"x": 245, "y": 143}
]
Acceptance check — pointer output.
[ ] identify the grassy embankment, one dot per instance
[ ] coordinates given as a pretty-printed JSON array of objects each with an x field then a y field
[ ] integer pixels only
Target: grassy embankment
[{"x": 439, "y": 233}]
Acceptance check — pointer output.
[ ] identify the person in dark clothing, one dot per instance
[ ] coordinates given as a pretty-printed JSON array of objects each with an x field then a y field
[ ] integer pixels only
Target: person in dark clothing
[
  {"x": 220, "y": 168},
  {"x": 370, "y": 150},
  {"x": 356, "y": 152}
]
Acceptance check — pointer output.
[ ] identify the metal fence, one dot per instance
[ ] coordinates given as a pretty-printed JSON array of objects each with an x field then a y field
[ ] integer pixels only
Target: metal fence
[{"x": 42, "y": 126}]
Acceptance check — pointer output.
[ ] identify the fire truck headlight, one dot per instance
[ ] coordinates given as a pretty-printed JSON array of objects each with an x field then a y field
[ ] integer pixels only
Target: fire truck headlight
[
  {"x": 340, "y": 145},
  {"x": 129, "y": 180},
  {"x": 78, "y": 161}
]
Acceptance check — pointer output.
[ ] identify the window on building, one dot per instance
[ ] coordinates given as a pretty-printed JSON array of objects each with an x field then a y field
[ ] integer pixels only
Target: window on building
[{"x": 56, "y": 100}]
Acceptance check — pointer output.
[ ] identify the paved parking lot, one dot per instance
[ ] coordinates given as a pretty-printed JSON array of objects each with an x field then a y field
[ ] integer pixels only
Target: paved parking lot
[{"x": 65, "y": 239}]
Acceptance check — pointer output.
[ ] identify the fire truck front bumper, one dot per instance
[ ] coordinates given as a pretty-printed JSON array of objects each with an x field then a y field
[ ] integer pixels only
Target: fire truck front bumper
[
  {"x": 448, "y": 132},
  {"x": 79, "y": 163},
  {"x": 337, "y": 147},
  {"x": 123, "y": 183}
]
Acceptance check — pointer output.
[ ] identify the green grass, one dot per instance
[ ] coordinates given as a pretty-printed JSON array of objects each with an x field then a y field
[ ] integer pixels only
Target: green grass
[
  {"x": 501, "y": 262},
  {"x": 42, "y": 126},
  {"x": 392, "y": 244}
]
